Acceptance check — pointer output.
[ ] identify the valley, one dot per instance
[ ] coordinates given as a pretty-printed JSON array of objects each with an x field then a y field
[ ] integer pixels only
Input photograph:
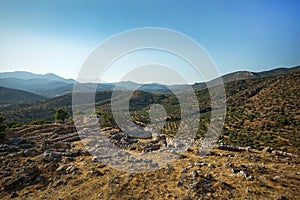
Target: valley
[{"x": 257, "y": 154}]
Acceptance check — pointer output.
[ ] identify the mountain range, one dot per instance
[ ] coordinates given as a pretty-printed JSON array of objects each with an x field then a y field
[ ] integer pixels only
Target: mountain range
[
  {"x": 50, "y": 85},
  {"x": 28, "y": 75}
]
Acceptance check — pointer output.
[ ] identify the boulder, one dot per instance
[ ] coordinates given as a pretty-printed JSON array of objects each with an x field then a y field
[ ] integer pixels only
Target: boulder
[
  {"x": 184, "y": 170},
  {"x": 94, "y": 172},
  {"x": 267, "y": 150},
  {"x": 61, "y": 169},
  {"x": 71, "y": 169},
  {"x": 13, "y": 183},
  {"x": 14, "y": 195},
  {"x": 243, "y": 173},
  {"x": 281, "y": 198},
  {"x": 52, "y": 156},
  {"x": 95, "y": 159}
]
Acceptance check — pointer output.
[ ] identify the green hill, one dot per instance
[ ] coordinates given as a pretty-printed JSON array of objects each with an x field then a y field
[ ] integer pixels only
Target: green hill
[
  {"x": 13, "y": 96},
  {"x": 260, "y": 111}
]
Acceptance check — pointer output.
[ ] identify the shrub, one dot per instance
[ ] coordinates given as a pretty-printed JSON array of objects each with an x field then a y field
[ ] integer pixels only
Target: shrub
[
  {"x": 13, "y": 125},
  {"x": 2, "y": 127},
  {"x": 39, "y": 122},
  {"x": 79, "y": 112},
  {"x": 106, "y": 119},
  {"x": 226, "y": 132},
  {"x": 60, "y": 115}
]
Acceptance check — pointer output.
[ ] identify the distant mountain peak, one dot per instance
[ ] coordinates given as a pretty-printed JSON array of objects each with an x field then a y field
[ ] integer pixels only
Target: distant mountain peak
[
  {"x": 51, "y": 85},
  {"x": 29, "y": 75}
]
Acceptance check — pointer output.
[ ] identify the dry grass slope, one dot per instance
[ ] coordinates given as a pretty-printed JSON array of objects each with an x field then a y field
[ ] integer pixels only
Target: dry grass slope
[{"x": 223, "y": 174}]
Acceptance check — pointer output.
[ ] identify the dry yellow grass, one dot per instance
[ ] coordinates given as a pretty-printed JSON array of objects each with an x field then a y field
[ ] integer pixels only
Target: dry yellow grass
[{"x": 163, "y": 183}]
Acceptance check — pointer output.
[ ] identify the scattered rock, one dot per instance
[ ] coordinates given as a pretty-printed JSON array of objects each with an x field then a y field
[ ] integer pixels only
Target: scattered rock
[
  {"x": 59, "y": 183},
  {"x": 30, "y": 152},
  {"x": 182, "y": 156},
  {"x": 71, "y": 169},
  {"x": 200, "y": 164},
  {"x": 208, "y": 176},
  {"x": 250, "y": 178},
  {"x": 248, "y": 149},
  {"x": 170, "y": 167},
  {"x": 94, "y": 172},
  {"x": 72, "y": 139},
  {"x": 194, "y": 174},
  {"x": 162, "y": 140},
  {"x": 234, "y": 171},
  {"x": 60, "y": 145},
  {"x": 60, "y": 158},
  {"x": 184, "y": 170},
  {"x": 13, "y": 183},
  {"x": 276, "y": 178},
  {"x": 243, "y": 173},
  {"x": 230, "y": 165},
  {"x": 27, "y": 177},
  {"x": 282, "y": 153},
  {"x": 14, "y": 195},
  {"x": 6, "y": 173},
  {"x": 18, "y": 142},
  {"x": 267, "y": 150},
  {"x": 211, "y": 165},
  {"x": 61, "y": 168},
  {"x": 151, "y": 147},
  {"x": 179, "y": 183},
  {"x": 52, "y": 156},
  {"x": 282, "y": 198},
  {"x": 95, "y": 159},
  {"x": 154, "y": 165},
  {"x": 227, "y": 147}
]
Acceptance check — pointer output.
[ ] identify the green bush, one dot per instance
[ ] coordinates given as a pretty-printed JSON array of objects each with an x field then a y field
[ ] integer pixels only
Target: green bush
[
  {"x": 79, "y": 112},
  {"x": 2, "y": 127},
  {"x": 226, "y": 132},
  {"x": 14, "y": 125},
  {"x": 106, "y": 119},
  {"x": 60, "y": 115},
  {"x": 39, "y": 122}
]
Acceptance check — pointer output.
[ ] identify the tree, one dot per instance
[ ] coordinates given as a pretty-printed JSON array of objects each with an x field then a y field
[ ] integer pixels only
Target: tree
[
  {"x": 2, "y": 127},
  {"x": 60, "y": 115},
  {"x": 107, "y": 119}
]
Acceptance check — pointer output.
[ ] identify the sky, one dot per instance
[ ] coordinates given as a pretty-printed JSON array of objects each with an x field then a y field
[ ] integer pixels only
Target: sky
[{"x": 57, "y": 36}]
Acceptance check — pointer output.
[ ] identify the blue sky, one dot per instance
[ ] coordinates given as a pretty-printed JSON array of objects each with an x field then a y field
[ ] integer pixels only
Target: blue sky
[{"x": 57, "y": 36}]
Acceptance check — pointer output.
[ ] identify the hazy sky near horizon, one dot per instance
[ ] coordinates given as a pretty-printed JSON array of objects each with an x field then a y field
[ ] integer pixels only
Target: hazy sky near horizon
[{"x": 57, "y": 35}]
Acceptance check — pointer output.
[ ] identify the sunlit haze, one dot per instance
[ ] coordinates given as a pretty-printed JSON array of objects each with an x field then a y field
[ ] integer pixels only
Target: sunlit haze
[{"x": 57, "y": 36}]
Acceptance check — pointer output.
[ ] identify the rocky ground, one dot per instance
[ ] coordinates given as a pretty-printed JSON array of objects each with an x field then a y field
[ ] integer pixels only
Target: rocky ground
[{"x": 50, "y": 162}]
